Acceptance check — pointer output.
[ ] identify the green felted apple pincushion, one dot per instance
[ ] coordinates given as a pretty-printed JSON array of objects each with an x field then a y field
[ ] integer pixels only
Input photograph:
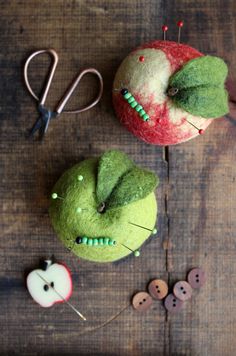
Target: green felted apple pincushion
[{"x": 104, "y": 209}]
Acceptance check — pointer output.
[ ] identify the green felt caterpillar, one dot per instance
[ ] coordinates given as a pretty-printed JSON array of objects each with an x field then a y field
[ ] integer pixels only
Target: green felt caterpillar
[
  {"x": 101, "y": 241},
  {"x": 134, "y": 104}
]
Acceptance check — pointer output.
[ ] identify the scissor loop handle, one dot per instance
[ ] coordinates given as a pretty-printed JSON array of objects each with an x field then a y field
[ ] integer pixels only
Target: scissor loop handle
[
  {"x": 52, "y": 69},
  {"x": 73, "y": 86}
]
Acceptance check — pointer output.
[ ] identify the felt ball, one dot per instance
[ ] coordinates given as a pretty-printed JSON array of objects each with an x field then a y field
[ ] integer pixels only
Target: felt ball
[
  {"x": 148, "y": 84},
  {"x": 114, "y": 223}
]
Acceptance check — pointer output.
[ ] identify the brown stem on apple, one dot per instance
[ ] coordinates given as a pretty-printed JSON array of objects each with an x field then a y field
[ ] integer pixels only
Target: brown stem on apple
[
  {"x": 102, "y": 208},
  {"x": 172, "y": 91}
]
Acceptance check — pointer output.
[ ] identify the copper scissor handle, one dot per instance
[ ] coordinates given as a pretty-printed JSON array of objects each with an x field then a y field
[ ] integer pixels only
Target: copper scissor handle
[
  {"x": 54, "y": 55},
  {"x": 70, "y": 89}
]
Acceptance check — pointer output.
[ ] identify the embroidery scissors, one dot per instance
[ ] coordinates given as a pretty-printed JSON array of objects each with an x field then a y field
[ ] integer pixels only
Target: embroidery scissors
[{"x": 45, "y": 114}]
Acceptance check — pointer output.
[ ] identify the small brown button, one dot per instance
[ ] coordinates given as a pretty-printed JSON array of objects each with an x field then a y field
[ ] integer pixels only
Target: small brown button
[
  {"x": 182, "y": 290},
  {"x": 142, "y": 301},
  {"x": 196, "y": 278},
  {"x": 158, "y": 289},
  {"x": 173, "y": 304}
]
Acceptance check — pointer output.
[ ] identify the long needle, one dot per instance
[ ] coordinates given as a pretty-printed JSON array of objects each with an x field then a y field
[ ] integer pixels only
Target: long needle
[
  {"x": 143, "y": 227},
  {"x": 127, "y": 247},
  {"x": 59, "y": 295}
]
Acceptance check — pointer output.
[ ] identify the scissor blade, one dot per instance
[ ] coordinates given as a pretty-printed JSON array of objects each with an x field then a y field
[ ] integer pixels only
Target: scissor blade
[
  {"x": 46, "y": 124},
  {"x": 37, "y": 126}
]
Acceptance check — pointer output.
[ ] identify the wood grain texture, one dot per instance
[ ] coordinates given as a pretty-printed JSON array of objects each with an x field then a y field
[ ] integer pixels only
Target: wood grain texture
[{"x": 196, "y": 196}]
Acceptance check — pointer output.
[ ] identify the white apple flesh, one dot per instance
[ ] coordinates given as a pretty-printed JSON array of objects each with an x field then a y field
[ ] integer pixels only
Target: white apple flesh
[{"x": 58, "y": 280}]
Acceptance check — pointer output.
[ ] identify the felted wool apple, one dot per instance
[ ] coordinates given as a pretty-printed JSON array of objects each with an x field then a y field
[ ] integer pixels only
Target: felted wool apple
[
  {"x": 104, "y": 208},
  {"x": 166, "y": 92},
  {"x": 50, "y": 285}
]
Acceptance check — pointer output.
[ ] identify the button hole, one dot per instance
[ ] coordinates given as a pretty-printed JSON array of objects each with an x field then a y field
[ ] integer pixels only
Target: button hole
[
  {"x": 140, "y": 303},
  {"x": 181, "y": 288},
  {"x": 197, "y": 280},
  {"x": 197, "y": 275},
  {"x": 174, "y": 305},
  {"x": 174, "y": 300},
  {"x": 144, "y": 300},
  {"x": 184, "y": 292}
]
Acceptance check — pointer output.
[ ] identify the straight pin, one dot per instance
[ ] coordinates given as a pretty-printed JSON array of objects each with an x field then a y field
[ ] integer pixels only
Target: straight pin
[
  {"x": 56, "y": 196},
  {"x": 153, "y": 231},
  {"x": 60, "y": 296},
  {"x": 80, "y": 210},
  {"x": 136, "y": 253},
  {"x": 180, "y": 25},
  {"x": 200, "y": 131},
  {"x": 164, "y": 29}
]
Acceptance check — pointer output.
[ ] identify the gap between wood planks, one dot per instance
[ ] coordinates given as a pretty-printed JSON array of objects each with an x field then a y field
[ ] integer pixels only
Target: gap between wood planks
[{"x": 167, "y": 247}]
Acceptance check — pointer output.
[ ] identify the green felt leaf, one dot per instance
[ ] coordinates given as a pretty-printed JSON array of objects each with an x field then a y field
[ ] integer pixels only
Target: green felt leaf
[
  {"x": 206, "y": 70},
  {"x": 112, "y": 165},
  {"x": 200, "y": 85},
  {"x": 136, "y": 184},
  {"x": 208, "y": 102}
]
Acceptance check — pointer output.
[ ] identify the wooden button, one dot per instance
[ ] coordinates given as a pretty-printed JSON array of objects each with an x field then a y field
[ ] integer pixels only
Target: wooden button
[
  {"x": 142, "y": 301},
  {"x": 173, "y": 304},
  {"x": 158, "y": 289},
  {"x": 196, "y": 278},
  {"x": 182, "y": 290}
]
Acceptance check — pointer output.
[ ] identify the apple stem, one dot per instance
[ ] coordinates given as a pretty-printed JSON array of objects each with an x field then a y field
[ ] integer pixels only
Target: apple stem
[
  {"x": 102, "y": 208},
  {"x": 172, "y": 91}
]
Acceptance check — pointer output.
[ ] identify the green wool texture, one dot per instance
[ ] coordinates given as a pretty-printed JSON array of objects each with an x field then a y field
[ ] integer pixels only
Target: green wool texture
[
  {"x": 77, "y": 214},
  {"x": 112, "y": 165},
  {"x": 133, "y": 186},
  {"x": 200, "y": 85}
]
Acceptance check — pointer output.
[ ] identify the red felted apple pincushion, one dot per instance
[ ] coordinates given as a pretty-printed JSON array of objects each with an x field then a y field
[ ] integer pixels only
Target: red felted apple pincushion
[{"x": 166, "y": 92}]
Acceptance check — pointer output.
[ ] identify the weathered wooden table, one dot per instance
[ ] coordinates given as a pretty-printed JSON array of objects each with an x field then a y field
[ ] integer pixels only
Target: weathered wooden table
[{"x": 197, "y": 196}]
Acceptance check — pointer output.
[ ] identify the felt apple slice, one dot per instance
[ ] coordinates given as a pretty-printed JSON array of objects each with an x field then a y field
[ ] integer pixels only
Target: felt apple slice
[{"x": 50, "y": 286}]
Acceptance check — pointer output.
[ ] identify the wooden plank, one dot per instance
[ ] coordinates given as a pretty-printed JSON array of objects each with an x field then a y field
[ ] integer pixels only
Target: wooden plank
[
  {"x": 85, "y": 33},
  {"x": 201, "y": 204}
]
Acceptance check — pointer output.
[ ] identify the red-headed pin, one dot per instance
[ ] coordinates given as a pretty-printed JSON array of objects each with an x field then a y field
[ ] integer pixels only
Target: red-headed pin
[
  {"x": 164, "y": 29},
  {"x": 200, "y": 131},
  {"x": 180, "y": 25}
]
